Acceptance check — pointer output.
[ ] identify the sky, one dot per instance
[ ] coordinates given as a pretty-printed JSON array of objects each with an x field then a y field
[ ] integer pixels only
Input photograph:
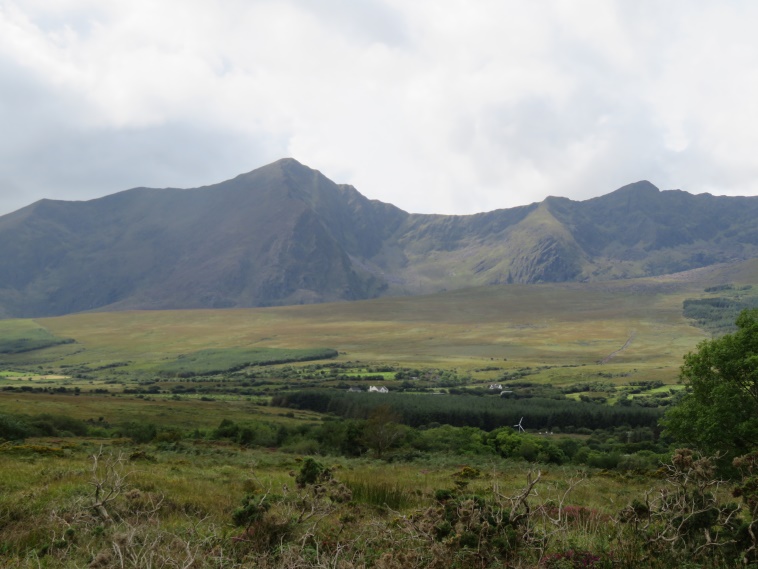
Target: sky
[{"x": 435, "y": 106}]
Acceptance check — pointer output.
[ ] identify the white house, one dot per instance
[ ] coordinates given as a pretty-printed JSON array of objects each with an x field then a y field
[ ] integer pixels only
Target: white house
[{"x": 374, "y": 389}]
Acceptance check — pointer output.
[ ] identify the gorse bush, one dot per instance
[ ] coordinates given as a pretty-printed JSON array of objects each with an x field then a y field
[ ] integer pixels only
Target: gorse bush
[
  {"x": 689, "y": 518},
  {"x": 312, "y": 472},
  {"x": 252, "y": 509}
]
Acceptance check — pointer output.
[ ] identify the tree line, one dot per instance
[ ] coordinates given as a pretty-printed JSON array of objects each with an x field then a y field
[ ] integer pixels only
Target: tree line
[{"x": 486, "y": 413}]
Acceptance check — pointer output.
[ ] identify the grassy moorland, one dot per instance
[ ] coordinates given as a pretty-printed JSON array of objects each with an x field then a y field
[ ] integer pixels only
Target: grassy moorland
[
  {"x": 187, "y": 507},
  {"x": 228, "y": 438},
  {"x": 523, "y": 325},
  {"x": 573, "y": 332}
]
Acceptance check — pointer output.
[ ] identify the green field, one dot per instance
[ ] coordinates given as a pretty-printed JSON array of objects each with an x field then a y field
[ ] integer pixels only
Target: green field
[
  {"x": 510, "y": 326},
  {"x": 179, "y": 408},
  {"x": 603, "y": 336},
  {"x": 19, "y": 336},
  {"x": 613, "y": 333},
  {"x": 212, "y": 361}
]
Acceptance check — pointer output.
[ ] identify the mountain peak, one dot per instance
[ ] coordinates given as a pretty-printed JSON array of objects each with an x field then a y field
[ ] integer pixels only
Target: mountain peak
[
  {"x": 286, "y": 234},
  {"x": 276, "y": 168},
  {"x": 288, "y": 163},
  {"x": 632, "y": 195},
  {"x": 643, "y": 186}
]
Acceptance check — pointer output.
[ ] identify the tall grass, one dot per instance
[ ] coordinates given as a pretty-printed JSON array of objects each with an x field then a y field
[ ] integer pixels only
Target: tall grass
[
  {"x": 390, "y": 494},
  {"x": 177, "y": 507}
]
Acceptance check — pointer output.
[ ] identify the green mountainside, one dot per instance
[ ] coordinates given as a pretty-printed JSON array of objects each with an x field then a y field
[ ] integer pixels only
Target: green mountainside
[{"x": 285, "y": 234}]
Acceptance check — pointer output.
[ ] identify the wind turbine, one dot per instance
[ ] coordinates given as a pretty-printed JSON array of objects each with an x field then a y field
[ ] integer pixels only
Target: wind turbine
[{"x": 520, "y": 428}]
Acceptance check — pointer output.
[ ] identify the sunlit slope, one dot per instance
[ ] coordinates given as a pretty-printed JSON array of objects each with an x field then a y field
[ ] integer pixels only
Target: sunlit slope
[
  {"x": 529, "y": 245},
  {"x": 619, "y": 324}
]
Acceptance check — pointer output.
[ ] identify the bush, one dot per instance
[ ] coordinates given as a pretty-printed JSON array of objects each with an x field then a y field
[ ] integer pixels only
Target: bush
[
  {"x": 604, "y": 460},
  {"x": 169, "y": 436},
  {"x": 57, "y": 425},
  {"x": 226, "y": 430},
  {"x": 312, "y": 472},
  {"x": 301, "y": 446},
  {"x": 258, "y": 434},
  {"x": 251, "y": 510},
  {"x": 14, "y": 429},
  {"x": 138, "y": 432}
]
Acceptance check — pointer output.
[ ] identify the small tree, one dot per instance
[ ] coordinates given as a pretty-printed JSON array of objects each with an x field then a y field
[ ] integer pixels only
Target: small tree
[
  {"x": 720, "y": 411},
  {"x": 382, "y": 431}
]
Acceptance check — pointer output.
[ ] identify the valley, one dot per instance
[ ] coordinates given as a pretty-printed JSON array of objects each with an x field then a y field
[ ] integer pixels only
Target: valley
[{"x": 198, "y": 424}]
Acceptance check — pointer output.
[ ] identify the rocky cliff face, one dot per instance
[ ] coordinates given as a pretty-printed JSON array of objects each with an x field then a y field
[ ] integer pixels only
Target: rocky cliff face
[{"x": 285, "y": 234}]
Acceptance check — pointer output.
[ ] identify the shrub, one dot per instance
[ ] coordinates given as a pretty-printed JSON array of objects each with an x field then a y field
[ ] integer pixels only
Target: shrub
[
  {"x": 227, "y": 429},
  {"x": 251, "y": 510},
  {"x": 138, "y": 432},
  {"x": 58, "y": 425},
  {"x": 14, "y": 429},
  {"x": 312, "y": 472}
]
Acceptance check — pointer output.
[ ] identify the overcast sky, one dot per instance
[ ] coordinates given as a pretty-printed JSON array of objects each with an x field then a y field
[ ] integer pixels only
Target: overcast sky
[{"x": 436, "y": 106}]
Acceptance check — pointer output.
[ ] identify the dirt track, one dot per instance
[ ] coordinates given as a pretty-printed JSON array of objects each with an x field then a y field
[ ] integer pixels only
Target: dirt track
[{"x": 607, "y": 358}]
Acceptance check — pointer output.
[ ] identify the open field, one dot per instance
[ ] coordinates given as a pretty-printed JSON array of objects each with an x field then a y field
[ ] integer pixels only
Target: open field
[
  {"x": 172, "y": 414},
  {"x": 187, "y": 414},
  {"x": 630, "y": 326},
  {"x": 524, "y": 325},
  {"x": 601, "y": 335}
]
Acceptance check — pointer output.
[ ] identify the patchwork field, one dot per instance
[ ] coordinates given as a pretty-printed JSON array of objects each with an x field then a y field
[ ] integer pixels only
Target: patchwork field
[{"x": 608, "y": 334}]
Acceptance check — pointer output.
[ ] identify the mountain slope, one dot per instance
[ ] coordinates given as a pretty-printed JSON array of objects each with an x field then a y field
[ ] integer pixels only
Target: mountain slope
[
  {"x": 257, "y": 239},
  {"x": 639, "y": 230},
  {"x": 635, "y": 231},
  {"x": 285, "y": 234}
]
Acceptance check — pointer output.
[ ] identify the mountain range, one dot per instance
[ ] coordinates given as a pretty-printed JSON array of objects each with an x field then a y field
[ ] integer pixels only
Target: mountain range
[{"x": 286, "y": 234}]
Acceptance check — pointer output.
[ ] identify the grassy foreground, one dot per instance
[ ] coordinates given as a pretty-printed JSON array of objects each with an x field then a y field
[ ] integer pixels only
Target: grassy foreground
[{"x": 111, "y": 504}]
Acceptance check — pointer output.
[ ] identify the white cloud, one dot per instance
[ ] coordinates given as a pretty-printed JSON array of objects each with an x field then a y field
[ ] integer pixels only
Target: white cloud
[{"x": 434, "y": 105}]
